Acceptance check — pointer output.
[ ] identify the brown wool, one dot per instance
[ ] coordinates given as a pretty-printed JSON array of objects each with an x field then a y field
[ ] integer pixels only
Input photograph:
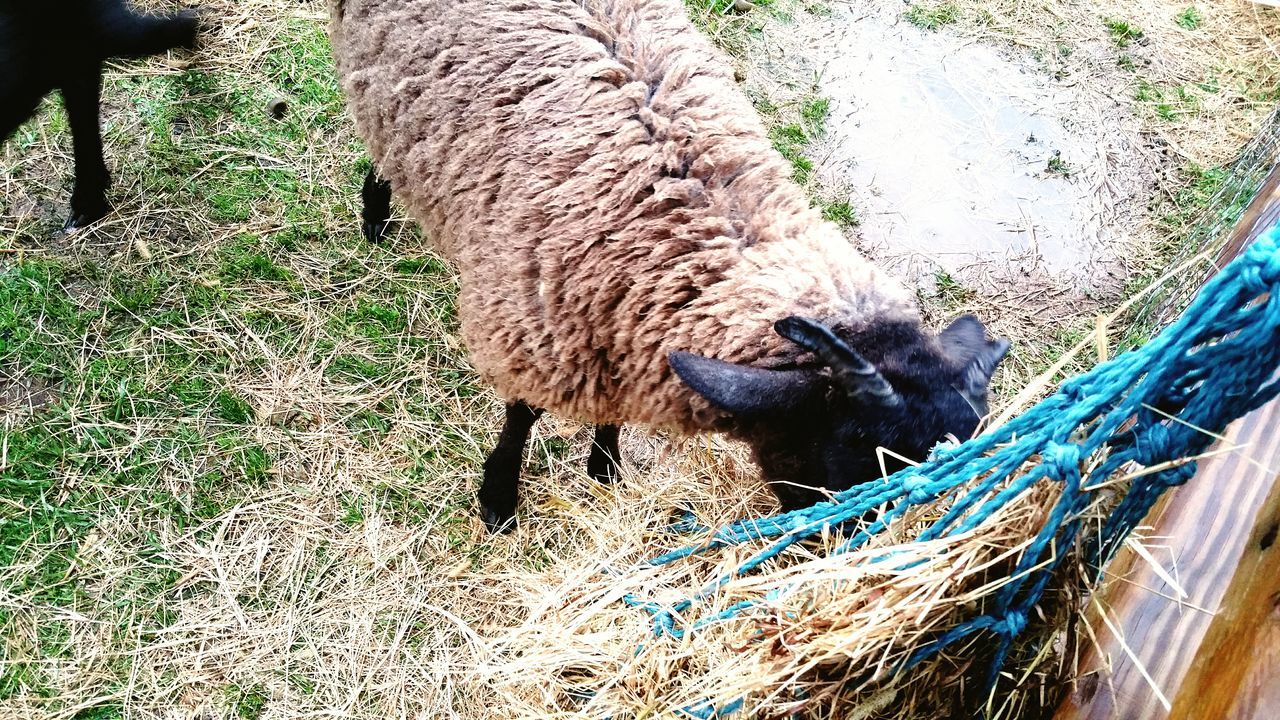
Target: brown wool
[{"x": 606, "y": 191}]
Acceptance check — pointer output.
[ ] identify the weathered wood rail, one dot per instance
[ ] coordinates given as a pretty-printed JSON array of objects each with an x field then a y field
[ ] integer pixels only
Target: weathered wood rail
[{"x": 1215, "y": 653}]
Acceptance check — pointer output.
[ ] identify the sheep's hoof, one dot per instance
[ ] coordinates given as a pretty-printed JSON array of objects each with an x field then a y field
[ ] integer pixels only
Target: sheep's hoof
[
  {"x": 83, "y": 218},
  {"x": 375, "y": 230},
  {"x": 602, "y": 468},
  {"x": 498, "y": 523}
]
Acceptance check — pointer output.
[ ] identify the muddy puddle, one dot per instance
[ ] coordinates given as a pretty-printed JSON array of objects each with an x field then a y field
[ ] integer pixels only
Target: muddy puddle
[{"x": 963, "y": 159}]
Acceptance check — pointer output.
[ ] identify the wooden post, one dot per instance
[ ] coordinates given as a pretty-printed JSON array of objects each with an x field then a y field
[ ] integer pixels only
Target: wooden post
[
  {"x": 1214, "y": 654},
  {"x": 1236, "y": 673}
]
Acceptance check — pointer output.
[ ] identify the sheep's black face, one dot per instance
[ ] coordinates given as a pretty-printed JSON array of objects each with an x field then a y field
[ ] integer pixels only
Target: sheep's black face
[{"x": 852, "y": 417}]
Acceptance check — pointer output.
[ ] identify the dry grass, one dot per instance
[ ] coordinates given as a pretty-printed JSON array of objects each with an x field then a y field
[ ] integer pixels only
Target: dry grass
[
  {"x": 1203, "y": 81},
  {"x": 827, "y": 643},
  {"x": 240, "y": 445}
]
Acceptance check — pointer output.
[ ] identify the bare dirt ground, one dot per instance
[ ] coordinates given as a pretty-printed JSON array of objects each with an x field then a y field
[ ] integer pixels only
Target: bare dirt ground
[
  {"x": 241, "y": 445},
  {"x": 970, "y": 162}
]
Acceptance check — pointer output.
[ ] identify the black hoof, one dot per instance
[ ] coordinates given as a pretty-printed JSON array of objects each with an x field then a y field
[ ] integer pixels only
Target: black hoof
[
  {"x": 84, "y": 218},
  {"x": 602, "y": 468},
  {"x": 375, "y": 230},
  {"x": 496, "y": 522}
]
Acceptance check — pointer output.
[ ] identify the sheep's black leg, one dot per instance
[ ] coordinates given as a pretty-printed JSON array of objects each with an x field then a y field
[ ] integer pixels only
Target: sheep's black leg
[
  {"x": 602, "y": 464},
  {"x": 376, "y": 195},
  {"x": 128, "y": 34},
  {"x": 500, "y": 490},
  {"x": 80, "y": 92}
]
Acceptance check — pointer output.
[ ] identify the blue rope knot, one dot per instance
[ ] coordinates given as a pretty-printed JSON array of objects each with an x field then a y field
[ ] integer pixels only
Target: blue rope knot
[
  {"x": 1011, "y": 625},
  {"x": 1178, "y": 475},
  {"x": 918, "y": 490},
  {"x": 1062, "y": 459},
  {"x": 1271, "y": 270},
  {"x": 664, "y": 624},
  {"x": 1154, "y": 445},
  {"x": 943, "y": 451},
  {"x": 662, "y": 618},
  {"x": 1161, "y": 443},
  {"x": 1260, "y": 277},
  {"x": 1072, "y": 391}
]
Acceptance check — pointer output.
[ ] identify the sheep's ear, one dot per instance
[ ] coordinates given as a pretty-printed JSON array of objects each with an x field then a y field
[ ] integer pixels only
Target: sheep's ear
[
  {"x": 963, "y": 339},
  {"x": 977, "y": 374},
  {"x": 965, "y": 344},
  {"x": 742, "y": 389}
]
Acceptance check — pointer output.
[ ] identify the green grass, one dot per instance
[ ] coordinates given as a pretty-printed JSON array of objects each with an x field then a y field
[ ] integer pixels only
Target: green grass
[
  {"x": 1198, "y": 187},
  {"x": 728, "y": 28},
  {"x": 1122, "y": 33},
  {"x": 790, "y": 141},
  {"x": 1169, "y": 103},
  {"x": 1058, "y": 166},
  {"x": 793, "y": 139},
  {"x": 951, "y": 294},
  {"x": 247, "y": 702},
  {"x": 1204, "y": 199},
  {"x": 814, "y": 112},
  {"x": 841, "y": 213},
  {"x": 932, "y": 17},
  {"x": 1190, "y": 18}
]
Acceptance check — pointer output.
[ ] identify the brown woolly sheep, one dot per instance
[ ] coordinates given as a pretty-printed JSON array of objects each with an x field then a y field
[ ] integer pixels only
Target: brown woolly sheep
[{"x": 631, "y": 247}]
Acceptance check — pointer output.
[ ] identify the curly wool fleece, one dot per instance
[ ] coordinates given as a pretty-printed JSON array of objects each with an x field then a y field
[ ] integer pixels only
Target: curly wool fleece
[{"x": 607, "y": 193}]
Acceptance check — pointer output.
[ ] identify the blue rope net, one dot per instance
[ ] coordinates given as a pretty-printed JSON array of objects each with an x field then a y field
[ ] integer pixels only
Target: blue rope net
[{"x": 1158, "y": 406}]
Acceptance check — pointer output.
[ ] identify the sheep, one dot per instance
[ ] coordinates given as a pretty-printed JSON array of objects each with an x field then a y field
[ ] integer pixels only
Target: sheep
[
  {"x": 48, "y": 44},
  {"x": 631, "y": 249}
]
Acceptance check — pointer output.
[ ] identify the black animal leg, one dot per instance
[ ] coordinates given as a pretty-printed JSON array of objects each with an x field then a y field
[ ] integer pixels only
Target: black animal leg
[
  {"x": 376, "y": 195},
  {"x": 500, "y": 490},
  {"x": 89, "y": 199},
  {"x": 602, "y": 464}
]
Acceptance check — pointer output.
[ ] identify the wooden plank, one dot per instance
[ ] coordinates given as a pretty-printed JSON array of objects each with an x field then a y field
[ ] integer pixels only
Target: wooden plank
[
  {"x": 1204, "y": 527},
  {"x": 1213, "y": 654},
  {"x": 1236, "y": 673}
]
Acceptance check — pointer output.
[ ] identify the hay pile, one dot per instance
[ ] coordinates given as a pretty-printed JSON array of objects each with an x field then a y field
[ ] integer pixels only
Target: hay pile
[{"x": 824, "y": 638}]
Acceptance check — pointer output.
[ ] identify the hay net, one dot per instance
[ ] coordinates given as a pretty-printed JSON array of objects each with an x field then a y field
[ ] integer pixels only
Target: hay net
[{"x": 1157, "y": 407}]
